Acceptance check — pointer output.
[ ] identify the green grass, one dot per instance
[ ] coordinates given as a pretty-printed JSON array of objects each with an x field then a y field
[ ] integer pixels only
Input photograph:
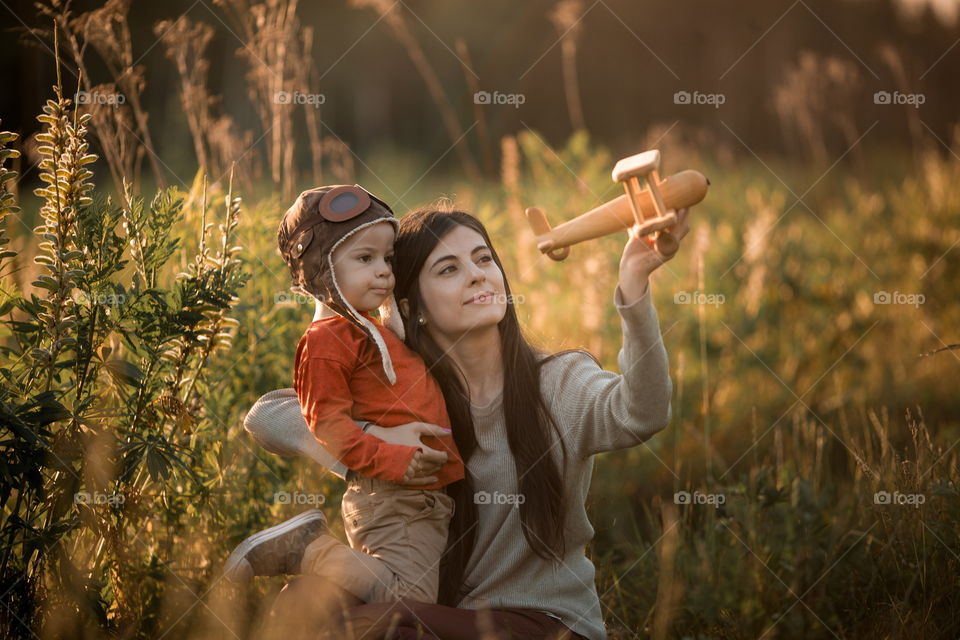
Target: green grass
[{"x": 796, "y": 399}]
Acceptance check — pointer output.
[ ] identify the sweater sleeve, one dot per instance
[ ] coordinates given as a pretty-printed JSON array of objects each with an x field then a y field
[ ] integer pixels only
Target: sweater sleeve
[
  {"x": 326, "y": 402},
  {"x": 603, "y": 411}
]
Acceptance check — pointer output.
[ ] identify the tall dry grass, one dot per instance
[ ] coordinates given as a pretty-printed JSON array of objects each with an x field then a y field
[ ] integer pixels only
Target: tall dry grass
[{"x": 798, "y": 398}]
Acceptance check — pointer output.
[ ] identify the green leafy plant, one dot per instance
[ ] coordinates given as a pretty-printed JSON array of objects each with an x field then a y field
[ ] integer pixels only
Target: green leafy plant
[{"x": 106, "y": 363}]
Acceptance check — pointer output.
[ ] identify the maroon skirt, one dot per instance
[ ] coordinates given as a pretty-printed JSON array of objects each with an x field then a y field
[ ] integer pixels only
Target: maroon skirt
[{"x": 407, "y": 620}]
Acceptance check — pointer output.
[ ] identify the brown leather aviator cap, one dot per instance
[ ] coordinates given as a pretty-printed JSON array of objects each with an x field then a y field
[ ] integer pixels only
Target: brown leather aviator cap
[{"x": 330, "y": 204}]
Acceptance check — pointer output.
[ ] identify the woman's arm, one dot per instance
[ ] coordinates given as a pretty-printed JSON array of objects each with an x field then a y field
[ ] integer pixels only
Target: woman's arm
[
  {"x": 603, "y": 410},
  {"x": 607, "y": 411},
  {"x": 276, "y": 423}
]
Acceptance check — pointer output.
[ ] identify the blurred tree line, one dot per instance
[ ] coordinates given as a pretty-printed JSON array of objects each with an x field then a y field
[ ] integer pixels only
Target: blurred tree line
[{"x": 611, "y": 66}]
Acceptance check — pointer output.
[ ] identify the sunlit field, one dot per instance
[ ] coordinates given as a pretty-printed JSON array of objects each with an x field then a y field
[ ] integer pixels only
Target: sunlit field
[{"x": 807, "y": 486}]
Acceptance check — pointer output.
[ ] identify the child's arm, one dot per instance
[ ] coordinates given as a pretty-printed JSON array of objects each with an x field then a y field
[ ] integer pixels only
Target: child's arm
[{"x": 326, "y": 402}]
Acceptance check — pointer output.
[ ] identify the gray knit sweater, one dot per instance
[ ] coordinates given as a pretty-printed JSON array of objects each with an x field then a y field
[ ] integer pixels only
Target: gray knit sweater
[{"x": 596, "y": 411}]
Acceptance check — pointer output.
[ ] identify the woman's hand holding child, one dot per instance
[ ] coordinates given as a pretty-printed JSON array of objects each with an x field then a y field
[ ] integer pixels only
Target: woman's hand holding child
[{"x": 426, "y": 461}]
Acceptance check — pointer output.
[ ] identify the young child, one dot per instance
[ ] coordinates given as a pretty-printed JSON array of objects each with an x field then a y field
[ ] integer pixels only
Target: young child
[{"x": 338, "y": 244}]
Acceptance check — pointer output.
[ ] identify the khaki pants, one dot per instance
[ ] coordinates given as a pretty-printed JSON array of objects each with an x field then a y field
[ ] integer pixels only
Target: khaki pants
[{"x": 397, "y": 536}]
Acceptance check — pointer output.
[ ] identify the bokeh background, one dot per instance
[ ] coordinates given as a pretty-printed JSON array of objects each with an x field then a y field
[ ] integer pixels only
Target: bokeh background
[{"x": 807, "y": 486}]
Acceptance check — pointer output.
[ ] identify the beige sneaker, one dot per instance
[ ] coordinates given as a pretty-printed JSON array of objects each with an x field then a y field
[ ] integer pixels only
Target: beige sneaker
[{"x": 277, "y": 550}]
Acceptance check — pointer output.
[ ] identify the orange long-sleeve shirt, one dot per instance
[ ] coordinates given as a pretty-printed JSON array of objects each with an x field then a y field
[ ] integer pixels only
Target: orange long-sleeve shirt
[{"x": 339, "y": 378}]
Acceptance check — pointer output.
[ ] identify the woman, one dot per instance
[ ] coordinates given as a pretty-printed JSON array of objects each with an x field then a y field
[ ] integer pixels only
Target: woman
[{"x": 526, "y": 424}]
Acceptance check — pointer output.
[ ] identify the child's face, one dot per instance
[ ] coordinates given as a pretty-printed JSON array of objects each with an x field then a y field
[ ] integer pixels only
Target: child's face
[{"x": 363, "y": 267}]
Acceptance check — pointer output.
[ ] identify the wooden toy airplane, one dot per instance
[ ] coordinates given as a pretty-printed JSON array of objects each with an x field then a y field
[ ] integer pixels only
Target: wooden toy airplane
[{"x": 649, "y": 203}]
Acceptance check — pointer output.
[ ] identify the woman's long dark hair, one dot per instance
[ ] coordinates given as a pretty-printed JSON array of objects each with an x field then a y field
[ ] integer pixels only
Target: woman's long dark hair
[{"x": 528, "y": 419}]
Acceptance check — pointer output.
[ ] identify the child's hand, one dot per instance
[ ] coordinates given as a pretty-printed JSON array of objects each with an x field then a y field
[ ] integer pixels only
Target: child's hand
[{"x": 422, "y": 466}]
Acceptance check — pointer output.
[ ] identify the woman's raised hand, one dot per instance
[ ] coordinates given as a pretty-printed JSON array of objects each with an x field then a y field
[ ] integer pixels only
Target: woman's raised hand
[
  {"x": 426, "y": 461},
  {"x": 641, "y": 257}
]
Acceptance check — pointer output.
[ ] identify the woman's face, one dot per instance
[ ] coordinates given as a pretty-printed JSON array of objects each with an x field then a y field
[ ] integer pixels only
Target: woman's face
[{"x": 460, "y": 285}]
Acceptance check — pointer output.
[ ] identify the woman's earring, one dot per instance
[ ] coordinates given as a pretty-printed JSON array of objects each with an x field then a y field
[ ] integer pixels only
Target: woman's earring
[{"x": 422, "y": 321}]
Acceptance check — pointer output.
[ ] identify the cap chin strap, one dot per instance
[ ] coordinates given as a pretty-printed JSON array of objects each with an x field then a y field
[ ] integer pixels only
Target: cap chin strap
[
  {"x": 389, "y": 312},
  {"x": 390, "y": 317}
]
